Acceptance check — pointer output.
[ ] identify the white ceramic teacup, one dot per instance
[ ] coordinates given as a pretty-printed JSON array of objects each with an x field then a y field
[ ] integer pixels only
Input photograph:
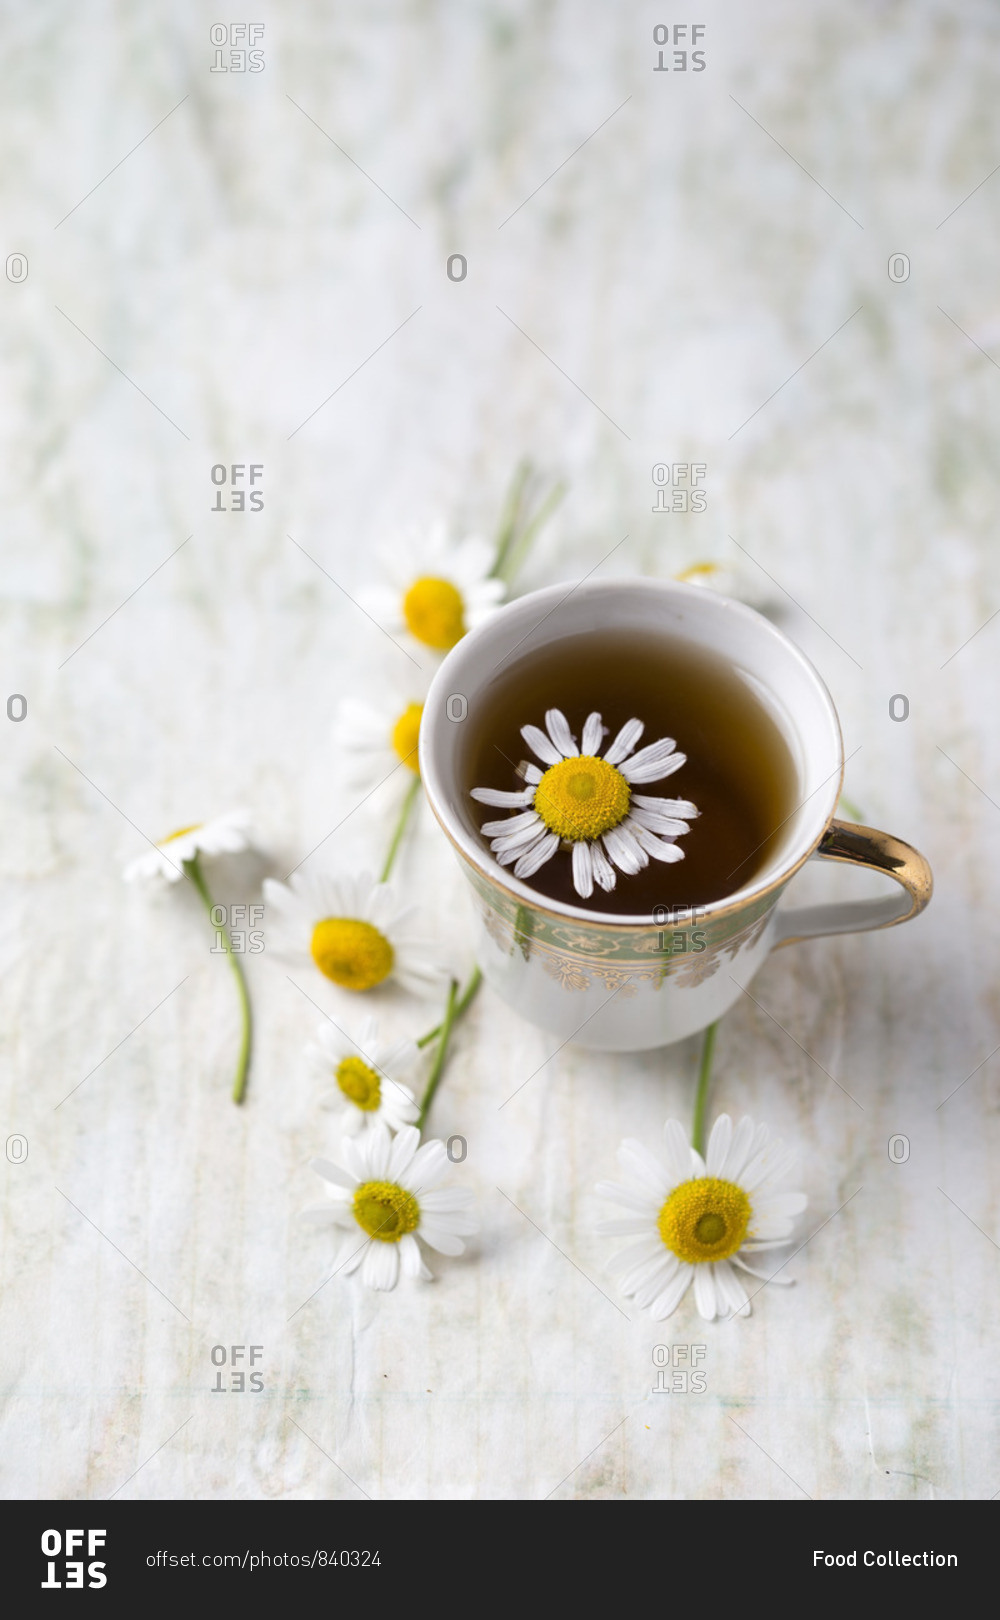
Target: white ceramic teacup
[{"x": 624, "y": 982}]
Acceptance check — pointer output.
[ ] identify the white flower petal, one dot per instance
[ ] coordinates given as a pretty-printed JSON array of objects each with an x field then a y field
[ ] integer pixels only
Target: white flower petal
[
  {"x": 445, "y": 1200},
  {"x": 625, "y": 1226},
  {"x": 430, "y": 1163},
  {"x": 653, "y": 821},
  {"x": 731, "y": 1291},
  {"x": 410, "y": 1259},
  {"x": 652, "y": 764},
  {"x": 381, "y": 1266},
  {"x": 660, "y": 849},
  {"x": 785, "y": 1282},
  {"x": 537, "y": 856},
  {"x": 583, "y": 870},
  {"x": 626, "y": 1258},
  {"x": 629, "y": 1198},
  {"x": 333, "y": 1172},
  {"x": 511, "y": 824},
  {"x": 704, "y": 1292},
  {"x": 626, "y": 853},
  {"x": 604, "y": 872},
  {"x": 593, "y": 732},
  {"x": 779, "y": 1206},
  {"x": 718, "y": 1145},
  {"x": 541, "y": 745},
  {"x": 739, "y": 1149},
  {"x": 439, "y": 1238},
  {"x": 645, "y": 1167},
  {"x": 666, "y": 807},
  {"x": 500, "y": 800},
  {"x": 678, "y": 1152},
  {"x": 557, "y": 727},
  {"x": 668, "y": 1301},
  {"x": 625, "y": 741}
]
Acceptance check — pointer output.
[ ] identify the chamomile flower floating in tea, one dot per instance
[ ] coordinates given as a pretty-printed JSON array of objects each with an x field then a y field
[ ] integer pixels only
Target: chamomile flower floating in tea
[
  {"x": 366, "y": 1072},
  {"x": 387, "y": 1196},
  {"x": 179, "y": 856},
  {"x": 353, "y": 929},
  {"x": 435, "y": 590},
  {"x": 586, "y": 802},
  {"x": 696, "y": 1218}
]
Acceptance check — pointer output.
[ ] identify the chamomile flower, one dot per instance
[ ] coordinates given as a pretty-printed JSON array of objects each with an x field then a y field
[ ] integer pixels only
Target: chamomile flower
[
  {"x": 366, "y": 1074},
  {"x": 435, "y": 590},
  {"x": 353, "y": 929},
  {"x": 739, "y": 582},
  {"x": 386, "y": 1196},
  {"x": 376, "y": 734},
  {"x": 696, "y": 1218},
  {"x": 586, "y": 802},
  {"x": 225, "y": 835}
]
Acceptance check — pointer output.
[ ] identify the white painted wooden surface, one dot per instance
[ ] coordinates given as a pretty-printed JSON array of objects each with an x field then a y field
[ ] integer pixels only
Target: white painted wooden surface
[{"x": 680, "y": 267}]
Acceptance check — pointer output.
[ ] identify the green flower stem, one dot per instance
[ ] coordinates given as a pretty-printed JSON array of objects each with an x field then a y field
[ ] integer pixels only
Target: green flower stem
[
  {"x": 518, "y": 551},
  {"x": 194, "y": 872},
  {"x": 404, "y": 816},
  {"x": 514, "y": 534},
  {"x": 507, "y": 527},
  {"x": 701, "y": 1095},
  {"x": 434, "y": 1079},
  {"x": 847, "y": 804},
  {"x": 464, "y": 1002}
]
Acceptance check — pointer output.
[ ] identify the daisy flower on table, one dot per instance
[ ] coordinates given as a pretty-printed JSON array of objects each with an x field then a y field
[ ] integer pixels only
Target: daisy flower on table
[
  {"x": 229, "y": 834},
  {"x": 586, "y": 802},
  {"x": 386, "y": 1196},
  {"x": 366, "y": 1077},
  {"x": 179, "y": 856},
  {"x": 435, "y": 590},
  {"x": 376, "y": 734},
  {"x": 354, "y": 930},
  {"x": 695, "y": 1219}
]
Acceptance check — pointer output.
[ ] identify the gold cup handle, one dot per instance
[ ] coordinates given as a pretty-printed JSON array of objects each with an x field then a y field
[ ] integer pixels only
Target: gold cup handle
[{"x": 878, "y": 852}]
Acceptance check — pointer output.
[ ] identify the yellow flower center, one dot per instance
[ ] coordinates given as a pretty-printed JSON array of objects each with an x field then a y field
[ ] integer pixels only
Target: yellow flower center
[
  {"x": 351, "y": 953},
  {"x": 359, "y": 1083},
  {"x": 704, "y": 1219},
  {"x": 405, "y": 734},
  {"x": 582, "y": 797},
  {"x": 434, "y": 612},
  {"x": 385, "y": 1211},
  {"x": 181, "y": 832},
  {"x": 703, "y": 570}
]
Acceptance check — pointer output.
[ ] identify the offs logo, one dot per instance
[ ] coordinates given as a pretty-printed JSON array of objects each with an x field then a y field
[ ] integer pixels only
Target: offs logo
[{"x": 67, "y": 1569}]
